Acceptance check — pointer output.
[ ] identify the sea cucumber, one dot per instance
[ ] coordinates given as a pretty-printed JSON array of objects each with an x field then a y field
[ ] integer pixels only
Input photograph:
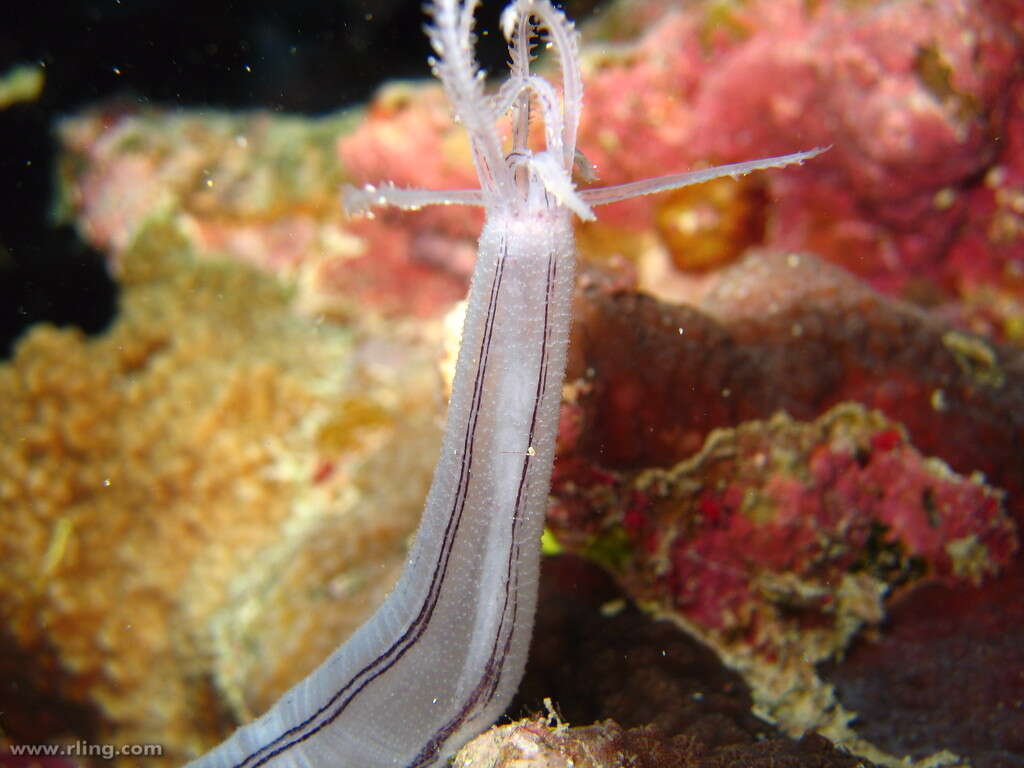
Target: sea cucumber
[{"x": 442, "y": 657}]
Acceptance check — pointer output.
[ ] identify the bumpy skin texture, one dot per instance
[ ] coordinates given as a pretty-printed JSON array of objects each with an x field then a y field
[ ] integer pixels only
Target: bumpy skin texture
[
  {"x": 444, "y": 653},
  {"x": 441, "y": 658}
]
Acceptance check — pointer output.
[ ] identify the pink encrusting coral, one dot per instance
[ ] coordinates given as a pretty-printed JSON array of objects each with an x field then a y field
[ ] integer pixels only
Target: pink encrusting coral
[
  {"x": 259, "y": 189},
  {"x": 917, "y": 99},
  {"x": 776, "y": 514},
  {"x": 408, "y": 137},
  {"x": 780, "y": 540},
  {"x": 987, "y": 254},
  {"x": 921, "y": 193},
  {"x": 788, "y": 332},
  {"x": 775, "y": 537}
]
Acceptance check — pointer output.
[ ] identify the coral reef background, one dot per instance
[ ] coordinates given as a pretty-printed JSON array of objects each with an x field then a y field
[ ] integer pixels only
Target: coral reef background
[
  {"x": 208, "y": 428},
  {"x": 792, "y": 425}
]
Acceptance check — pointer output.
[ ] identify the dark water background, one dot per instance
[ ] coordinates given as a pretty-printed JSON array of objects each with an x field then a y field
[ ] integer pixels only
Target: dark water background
[{"x": 302, "y": 56}]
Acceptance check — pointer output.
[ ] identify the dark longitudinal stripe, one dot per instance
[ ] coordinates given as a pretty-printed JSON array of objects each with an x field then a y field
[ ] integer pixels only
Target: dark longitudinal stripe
[
  {"x": 491, "y": 677},
  {"x": 512, "y": 573},
  {"x": 382, "y": 663}
]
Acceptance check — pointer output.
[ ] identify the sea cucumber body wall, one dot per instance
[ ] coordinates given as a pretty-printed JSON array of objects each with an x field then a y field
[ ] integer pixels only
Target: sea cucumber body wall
[
  {"x": 444, "y": 654},
  {"x": 441, "y": 659}
]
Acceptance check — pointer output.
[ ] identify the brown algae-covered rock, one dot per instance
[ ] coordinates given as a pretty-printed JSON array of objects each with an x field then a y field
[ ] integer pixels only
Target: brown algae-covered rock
[
  {"x": 779, "y": 540},
  {"x": 540, "y": 743}
]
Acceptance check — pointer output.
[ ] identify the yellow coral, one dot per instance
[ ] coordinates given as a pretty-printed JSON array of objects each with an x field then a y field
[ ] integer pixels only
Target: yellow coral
[{"x": 175, "y": 528}]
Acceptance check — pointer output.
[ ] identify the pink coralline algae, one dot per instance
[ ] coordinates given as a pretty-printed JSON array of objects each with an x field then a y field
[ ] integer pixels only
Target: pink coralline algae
[
  {"x": 776, "y": 537},
  {"x": 779, "y": 541},
  {"x": 788, "y": 332},
  {"x": 919, "y": 100},
  {"x": 260, "y": 189},
  {"x": 922, "y": 193},
  {"x": 761, "y": 527}
]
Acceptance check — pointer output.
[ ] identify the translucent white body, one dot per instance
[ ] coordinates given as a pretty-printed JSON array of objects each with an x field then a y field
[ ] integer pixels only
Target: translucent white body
[{"x": 443, "y": 656}]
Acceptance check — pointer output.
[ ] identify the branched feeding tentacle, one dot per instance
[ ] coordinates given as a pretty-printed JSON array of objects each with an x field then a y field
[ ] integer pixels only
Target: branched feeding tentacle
[
  {"x": 514, "y": 94},
  {"x": 518, "y": 33},
  {"x": 564, "y": 41},
  {"x": 451, "y": 37}
]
